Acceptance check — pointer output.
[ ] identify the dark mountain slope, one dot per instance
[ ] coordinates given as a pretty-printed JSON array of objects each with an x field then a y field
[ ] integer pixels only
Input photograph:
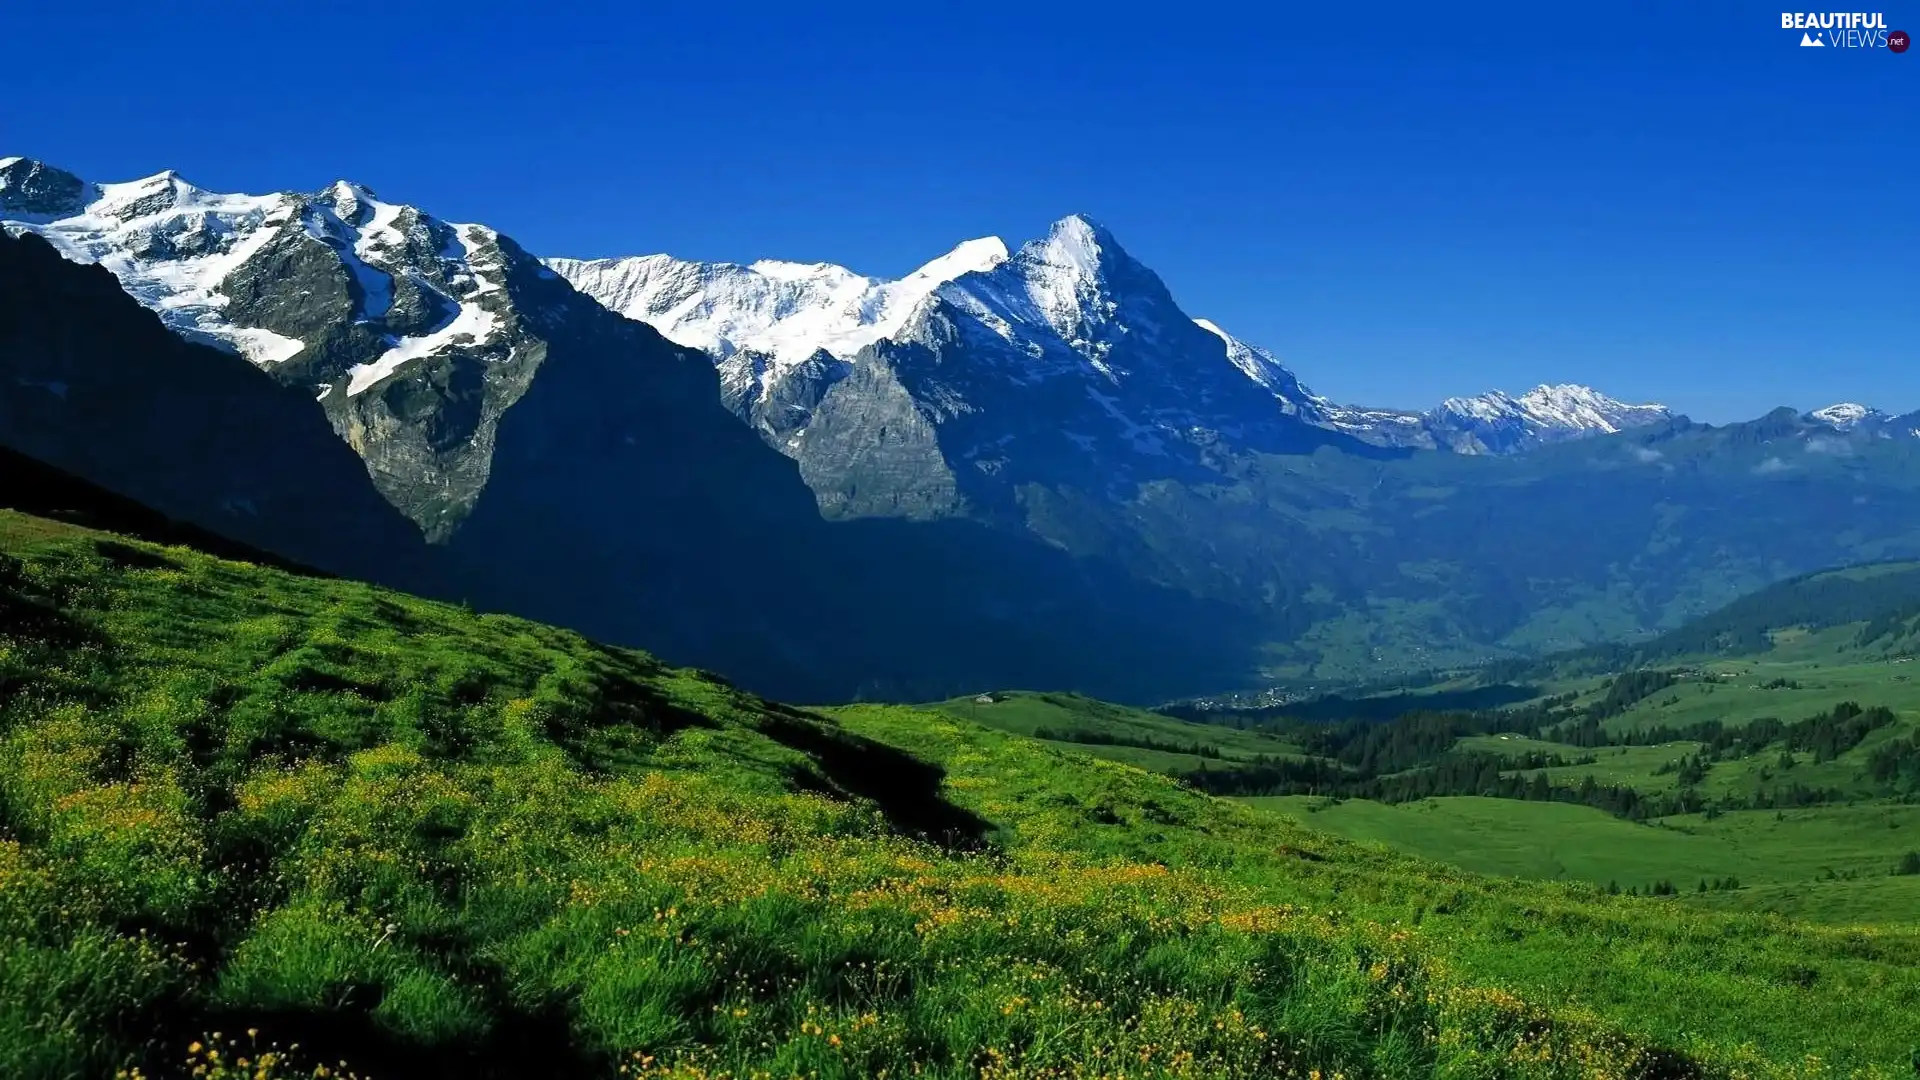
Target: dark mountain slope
[
  {"x": 93, "y": 384},
  {"x": 620, "y": 498}
]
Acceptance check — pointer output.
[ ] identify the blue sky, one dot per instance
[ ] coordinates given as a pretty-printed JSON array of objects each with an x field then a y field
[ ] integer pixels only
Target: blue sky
[{"x": 1403, "y": 202}]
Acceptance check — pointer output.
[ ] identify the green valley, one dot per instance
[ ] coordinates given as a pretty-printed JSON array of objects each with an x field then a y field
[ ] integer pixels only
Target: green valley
[{"x": 1765, "y": 757}]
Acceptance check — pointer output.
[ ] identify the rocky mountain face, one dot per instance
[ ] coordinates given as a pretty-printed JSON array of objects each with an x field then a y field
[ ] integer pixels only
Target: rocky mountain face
[
  {"x": 415, "y": 335},
  {"x": 1064, "y": 366},
  {"x": 565, "y": 462},
  {"x": 96, "y": 386},
  {"x": 784, "y": 333}
]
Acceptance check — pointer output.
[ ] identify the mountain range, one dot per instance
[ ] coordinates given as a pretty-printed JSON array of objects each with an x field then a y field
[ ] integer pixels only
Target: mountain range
[
  {"x": 555, "y": 460},
  {"x": 771, "y": 325},
  {"x": 1032, "y": 456}
]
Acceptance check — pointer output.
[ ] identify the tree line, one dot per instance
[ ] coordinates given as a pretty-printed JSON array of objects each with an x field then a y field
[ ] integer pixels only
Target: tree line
[
  {"x": 1089, "y": 737},
  {"x": 1413, "y": 756}
]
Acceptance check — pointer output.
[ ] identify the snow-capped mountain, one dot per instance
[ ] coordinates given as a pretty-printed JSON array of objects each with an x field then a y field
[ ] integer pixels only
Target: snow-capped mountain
[
  {"x": 1845, "y": 416},
  {"x": 782, "y": 332},
  {"x": 1499, "y": 423},
  {"x": 785, "y": 311},
  {"x": 1493, "y": 422},
  {"x": 1849, "y": 417},
  {"x": 335, "y": 291},
  {"x": 184, "y": 251},
  {"x": 785, "y": 335},
  {"x": 1067, "y": 366},
  {"x": 416, "y": 335}
]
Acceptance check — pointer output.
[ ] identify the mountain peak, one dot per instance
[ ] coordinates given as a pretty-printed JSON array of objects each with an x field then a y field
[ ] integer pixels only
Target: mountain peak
[
  {"x": 162, "y": 191},
  {"x": 30, "y": 188},
  {"x": 1077, "y": 242},
  {"x": 351, "y": 202},
  {"x": 1564, "y": 392},
  {"x": 343, "y": 190},
  {"x": 1846, "y": 415}
]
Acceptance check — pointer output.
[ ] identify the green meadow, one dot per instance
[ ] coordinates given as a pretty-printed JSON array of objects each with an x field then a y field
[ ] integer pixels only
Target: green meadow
[
  {"x": 264, "y": 825},
  {"x": 1117, "y": 732},
  {"x": 1771, "y": 853},
  {"x": 1800, "y": 650}
]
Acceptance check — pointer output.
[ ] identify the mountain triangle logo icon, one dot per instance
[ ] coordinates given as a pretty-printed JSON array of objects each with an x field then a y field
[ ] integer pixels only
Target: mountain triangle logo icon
[{"x": 1808, "y": 40}]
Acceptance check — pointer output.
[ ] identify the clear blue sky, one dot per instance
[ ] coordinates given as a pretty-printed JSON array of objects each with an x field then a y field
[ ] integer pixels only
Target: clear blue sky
[{"x": 1669, "y": 201}]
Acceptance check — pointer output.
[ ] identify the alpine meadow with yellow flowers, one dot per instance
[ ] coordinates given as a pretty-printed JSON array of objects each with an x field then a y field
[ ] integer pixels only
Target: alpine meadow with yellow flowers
[{"x": 261, "y": 825}]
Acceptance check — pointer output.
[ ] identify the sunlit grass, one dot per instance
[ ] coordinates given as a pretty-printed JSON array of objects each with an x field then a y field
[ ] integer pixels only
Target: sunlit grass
[{"x": 393, "y": 838}]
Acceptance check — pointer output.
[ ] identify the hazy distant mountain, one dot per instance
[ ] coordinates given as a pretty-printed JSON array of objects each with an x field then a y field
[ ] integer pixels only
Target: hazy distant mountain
[
  {"x": 1487, "y": 423},
  {"x": 1849, "y": 417}
]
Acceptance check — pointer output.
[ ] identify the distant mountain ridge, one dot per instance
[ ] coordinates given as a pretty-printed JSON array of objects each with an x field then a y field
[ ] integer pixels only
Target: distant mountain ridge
[
  {"x": 773, "y": 324},
  {"x": 1039, "y": 469}
]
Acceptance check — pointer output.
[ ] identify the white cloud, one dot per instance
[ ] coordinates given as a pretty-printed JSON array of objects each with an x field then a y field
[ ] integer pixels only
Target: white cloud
[{"x": 1770, "y": 466}]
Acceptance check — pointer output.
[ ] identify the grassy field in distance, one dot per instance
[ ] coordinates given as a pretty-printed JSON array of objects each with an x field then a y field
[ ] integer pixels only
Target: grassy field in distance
[
  {"x": 1782, "y": 850},
  {"x": 1139, "y": 737}
]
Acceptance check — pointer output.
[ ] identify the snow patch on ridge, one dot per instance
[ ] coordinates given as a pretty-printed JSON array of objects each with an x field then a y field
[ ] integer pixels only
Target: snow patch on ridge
[
  {"x": 172, "y": 245},
  {"x": 784, "y": 310},
  {"x": 1846, "y": 415},
  {"x": 471, "y": 325}
]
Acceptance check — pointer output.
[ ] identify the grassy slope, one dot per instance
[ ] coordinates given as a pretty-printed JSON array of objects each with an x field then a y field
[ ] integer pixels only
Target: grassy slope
[
  {"x": 441, "y": 844},
  {"x": 1027, "y": 712}
]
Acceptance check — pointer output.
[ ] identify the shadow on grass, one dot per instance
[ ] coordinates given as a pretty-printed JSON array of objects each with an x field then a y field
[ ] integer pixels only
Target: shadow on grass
[
  {"x": 29, "y": 616},
  {"x": 624, "y": 722},
  {"x": 519, "y": 1046},
  {"x": 906, "y": 789}
]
